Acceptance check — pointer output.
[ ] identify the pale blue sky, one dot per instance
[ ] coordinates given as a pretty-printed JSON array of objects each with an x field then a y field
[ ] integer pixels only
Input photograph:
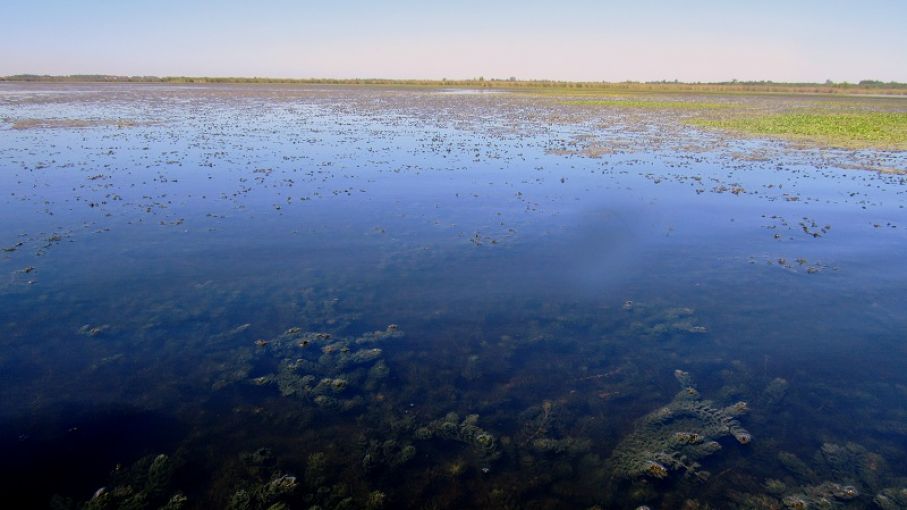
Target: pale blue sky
[{"x": 692, "y": 40}]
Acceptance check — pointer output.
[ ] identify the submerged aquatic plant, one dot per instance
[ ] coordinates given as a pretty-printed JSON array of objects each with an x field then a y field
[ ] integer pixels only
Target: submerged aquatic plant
[
  {"x": 837, "y": 476},
  {"x": 467, "y": 431},
  {"x": 674, "y": 437},
  {"x": 268, "y": 495},
  {"x": 891, "y": 498},
  {"x": 147, "y": 484},
  {"x": 320, "y": 367},
  {"x": 542, "y": 431}
]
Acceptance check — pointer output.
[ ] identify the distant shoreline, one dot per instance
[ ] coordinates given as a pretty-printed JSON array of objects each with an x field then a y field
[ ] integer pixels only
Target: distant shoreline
[{"x": 863, "y": 87}]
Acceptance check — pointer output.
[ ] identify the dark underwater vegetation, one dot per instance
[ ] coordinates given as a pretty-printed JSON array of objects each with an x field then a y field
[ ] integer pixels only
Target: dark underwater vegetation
[{"x": 338, "y": 297}]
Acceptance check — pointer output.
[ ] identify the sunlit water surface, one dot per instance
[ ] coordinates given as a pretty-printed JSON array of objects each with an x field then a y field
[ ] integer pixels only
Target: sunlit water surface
[{"x": 157, "y": 256}]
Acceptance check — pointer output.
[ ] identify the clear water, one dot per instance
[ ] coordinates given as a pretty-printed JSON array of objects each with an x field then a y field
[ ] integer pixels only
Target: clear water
[{"x": 152, "y": 267}]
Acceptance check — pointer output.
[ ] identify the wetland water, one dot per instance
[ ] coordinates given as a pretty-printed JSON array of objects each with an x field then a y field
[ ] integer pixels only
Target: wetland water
[{"x": 257, "y": 297}]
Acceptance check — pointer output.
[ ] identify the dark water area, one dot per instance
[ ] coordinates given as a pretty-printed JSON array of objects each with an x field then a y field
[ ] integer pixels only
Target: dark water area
[{"x": 302, "y": 297}]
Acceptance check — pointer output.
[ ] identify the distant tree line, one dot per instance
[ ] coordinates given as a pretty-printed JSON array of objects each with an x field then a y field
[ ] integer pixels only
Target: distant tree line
[{"x": 828, "y": 87}]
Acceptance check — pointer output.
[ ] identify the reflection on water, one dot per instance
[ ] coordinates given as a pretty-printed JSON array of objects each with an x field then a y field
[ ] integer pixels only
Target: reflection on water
[{"x": 276, "y": 297}]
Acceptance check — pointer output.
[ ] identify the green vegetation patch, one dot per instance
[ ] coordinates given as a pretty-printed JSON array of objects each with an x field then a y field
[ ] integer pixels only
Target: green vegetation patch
[
  {"x": 856, "y": 129},
  {"x": 650, "y": 104}
]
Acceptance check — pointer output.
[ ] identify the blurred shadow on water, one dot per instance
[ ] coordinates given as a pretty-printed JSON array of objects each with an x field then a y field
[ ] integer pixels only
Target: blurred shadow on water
[{"x": 605, "y": 249}]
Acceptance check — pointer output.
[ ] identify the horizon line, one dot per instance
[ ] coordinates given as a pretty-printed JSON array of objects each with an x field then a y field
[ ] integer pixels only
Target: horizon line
[{"x": 102, "y": 77}]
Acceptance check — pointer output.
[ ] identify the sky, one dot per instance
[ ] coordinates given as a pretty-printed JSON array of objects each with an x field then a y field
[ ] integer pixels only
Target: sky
[{"x": 601, "y": 40}]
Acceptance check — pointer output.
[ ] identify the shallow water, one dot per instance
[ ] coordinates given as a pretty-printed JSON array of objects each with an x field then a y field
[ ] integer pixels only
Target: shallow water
[{"x": 157, "y": 256}]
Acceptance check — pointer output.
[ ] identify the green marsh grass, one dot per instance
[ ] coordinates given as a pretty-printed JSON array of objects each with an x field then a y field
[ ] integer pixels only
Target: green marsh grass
[
  {"x": 851, "y": 129},
  {"x": 650, "y": 104}
]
